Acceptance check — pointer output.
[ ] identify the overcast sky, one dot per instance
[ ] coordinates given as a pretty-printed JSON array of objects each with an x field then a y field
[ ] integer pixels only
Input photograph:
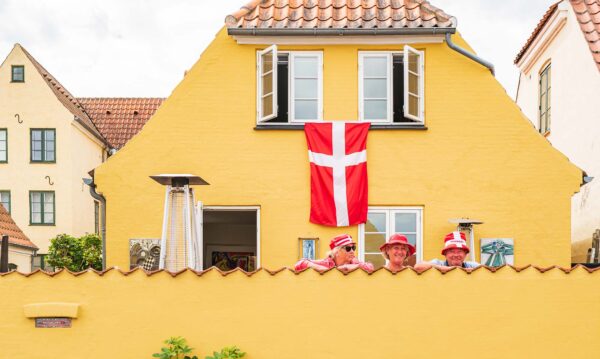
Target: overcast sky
[{"x": 135, "y": 48}]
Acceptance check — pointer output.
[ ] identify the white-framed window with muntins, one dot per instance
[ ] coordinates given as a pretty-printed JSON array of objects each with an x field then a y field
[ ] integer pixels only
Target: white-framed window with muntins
[
  {"x": 382, "y": 223},
  {"x": 289, "y": 86},
  {"x": 391, "y": 86}
]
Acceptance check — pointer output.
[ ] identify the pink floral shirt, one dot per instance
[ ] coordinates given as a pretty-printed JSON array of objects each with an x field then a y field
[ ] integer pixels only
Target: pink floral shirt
[{"x": 330, "y": 263}]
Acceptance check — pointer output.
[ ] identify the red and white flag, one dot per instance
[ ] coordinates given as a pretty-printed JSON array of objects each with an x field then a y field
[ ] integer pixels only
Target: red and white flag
[{"x": 337, "y": 152}]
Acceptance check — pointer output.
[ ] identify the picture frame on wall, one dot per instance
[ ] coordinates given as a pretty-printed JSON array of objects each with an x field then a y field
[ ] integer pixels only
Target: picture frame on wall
[
  {"x": 496, "y": 252},
  {"x": 307, "y": 248},
  {"x": 227, "y": 258}
]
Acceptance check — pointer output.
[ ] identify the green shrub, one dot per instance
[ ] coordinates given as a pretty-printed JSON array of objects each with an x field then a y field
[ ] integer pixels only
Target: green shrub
[
  {"x": 228, "y": 353},
  {"x": 75, "y": 254},
  {"x": 176, "y": 347}
]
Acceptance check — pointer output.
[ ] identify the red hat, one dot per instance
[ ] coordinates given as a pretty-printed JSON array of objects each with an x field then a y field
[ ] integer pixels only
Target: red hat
[
  {"x": 398, "y": 239},
  {"x": 341, "y": 240},
  {"x": 455, "y": 240}
]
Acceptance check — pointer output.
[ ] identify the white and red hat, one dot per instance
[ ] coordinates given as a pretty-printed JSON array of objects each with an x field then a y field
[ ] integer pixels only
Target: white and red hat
[
  {"x": 341, "y": 240},
  {"x": 398, "y": 239},
  {"x": 455, "y": 240}
]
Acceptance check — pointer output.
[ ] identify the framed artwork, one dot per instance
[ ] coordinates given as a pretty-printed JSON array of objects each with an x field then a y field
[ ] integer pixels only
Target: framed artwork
[
  {"x": 496, "y": 252},
  {"x": 227, "y": 258},
  {"x": 145, "y": 253},
  {"x": 307, "y": 248}
]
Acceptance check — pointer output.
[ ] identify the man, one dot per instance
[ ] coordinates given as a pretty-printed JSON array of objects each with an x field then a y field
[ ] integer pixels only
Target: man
[
  {"x": 455, "y": 250},
  {"x": 341, "y": 256}
]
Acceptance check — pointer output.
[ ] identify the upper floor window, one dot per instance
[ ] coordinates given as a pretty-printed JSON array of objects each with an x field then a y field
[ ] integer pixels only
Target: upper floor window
[
  {"x": 3, "y": 145},
  {"x": 43, "y": 145},
  {"x": 18, "y": 73},
  {"x": 382, "y": 223},
  {"x": 290, "y": 86},
  {"x": 5, "y": 200},
  {"x": 544, "y": 100},
  {"x": 41, "y": 207},
  {"x": 391, "y": 86}
]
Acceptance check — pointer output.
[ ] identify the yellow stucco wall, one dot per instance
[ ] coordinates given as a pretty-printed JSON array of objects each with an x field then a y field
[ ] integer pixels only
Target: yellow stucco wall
[
  {"x": 482, "y": 315},
  {"x": 478, "y": 158},
  {"x": 76, "y": 154}
]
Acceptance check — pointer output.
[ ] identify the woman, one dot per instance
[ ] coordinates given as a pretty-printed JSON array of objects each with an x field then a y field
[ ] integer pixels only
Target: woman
[
  {"x": 341, "y": 256},
  {"x": 395, "y": 251}
]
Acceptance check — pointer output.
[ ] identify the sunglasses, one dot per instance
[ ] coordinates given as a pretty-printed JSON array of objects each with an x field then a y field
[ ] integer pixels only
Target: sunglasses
[{"x": 349, "y": 248}]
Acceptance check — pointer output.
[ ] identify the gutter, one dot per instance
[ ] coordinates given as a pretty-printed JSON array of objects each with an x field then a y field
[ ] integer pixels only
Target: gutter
[
  {"x": 466, "y": 53},
  {"x": 340, "y": 32},
  {"x": 100, "y": 198}
]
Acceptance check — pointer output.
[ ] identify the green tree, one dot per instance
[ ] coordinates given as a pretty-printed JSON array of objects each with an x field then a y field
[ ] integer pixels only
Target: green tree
[{"x": 75, "y": 254}]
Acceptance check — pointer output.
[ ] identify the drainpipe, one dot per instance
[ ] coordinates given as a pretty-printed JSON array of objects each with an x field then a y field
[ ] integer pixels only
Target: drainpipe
[
  {"x": 466, "y": 53},
  {"x": 100, "y": 198}
]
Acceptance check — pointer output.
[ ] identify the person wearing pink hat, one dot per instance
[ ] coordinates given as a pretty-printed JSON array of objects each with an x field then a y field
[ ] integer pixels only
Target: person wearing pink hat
[
  {"x": 455, "y": 250},
  {"x": 395, "y": 251},
  {"x": 341, "y": 256}
]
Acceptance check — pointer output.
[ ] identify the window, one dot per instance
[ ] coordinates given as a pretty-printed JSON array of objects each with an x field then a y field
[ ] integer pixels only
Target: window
[
  {"x": 18, "y": 73},
  {"x": 3, "y": 145},
  {"x": 5, "y": 200},
  {"x": 41, "y": 208},
  {"x": 381, "y": 223},
  {"x": 391, "y": 86},
  {"x": 40, "y": 262},
  {"x": 545, "y": 100},
  {"x": 290, "y": 86},
  {"x": 43, "y": 145}
]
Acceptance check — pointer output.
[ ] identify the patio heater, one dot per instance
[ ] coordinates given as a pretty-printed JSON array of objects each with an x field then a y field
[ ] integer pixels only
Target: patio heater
[
  {"x": 181, "y": 240},
  {"x": 466, "y": 224}
]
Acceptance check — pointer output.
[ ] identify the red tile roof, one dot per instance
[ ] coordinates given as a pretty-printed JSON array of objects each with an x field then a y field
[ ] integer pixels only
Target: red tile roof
[
  {"x": 64, "y": 96},
  {"x": 119, "y": 119},
  {"x": 15, "y": 234},
  {"x": 537, "y": 30},
  {"x": 588, "y": 15},
  {"x": 339, "y": 14}
]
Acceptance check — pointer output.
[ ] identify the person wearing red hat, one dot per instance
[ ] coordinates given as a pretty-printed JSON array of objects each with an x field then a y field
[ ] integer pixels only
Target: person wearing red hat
[
  {"x": 395, "y": 251},
  {"x": 455, "y": 250},
  {"x": 341, "y": 256}
]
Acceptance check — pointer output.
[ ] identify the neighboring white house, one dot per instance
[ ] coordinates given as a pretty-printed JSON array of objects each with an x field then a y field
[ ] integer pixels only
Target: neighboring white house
[
  {"x": 559, "y": 91},
  {"x": 49, "y": 141}
]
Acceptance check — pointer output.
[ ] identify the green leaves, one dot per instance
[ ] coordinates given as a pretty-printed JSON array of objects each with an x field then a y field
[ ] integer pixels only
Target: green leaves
[
  {"x": 228, "y": 353},
  {"x": 76, "y": 254},
  {"x": 177, "y": 346}
]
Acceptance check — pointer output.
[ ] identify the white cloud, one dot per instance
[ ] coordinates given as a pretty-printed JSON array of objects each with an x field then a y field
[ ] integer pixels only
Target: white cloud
[{"x": 142, "y": 47}]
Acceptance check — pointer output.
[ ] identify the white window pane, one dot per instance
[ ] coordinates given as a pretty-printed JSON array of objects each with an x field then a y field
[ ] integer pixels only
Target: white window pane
[
  {"x": 5, "y": 205},
  {"x": 49, "y": 198},
  {"x": 413, "y": 105},
  {"x": 373, "y": 242},
  {"x": 36, "y": 207},
  {"x": 376, "y": 259},
  {"x": 36, "y": 135},
  {"x": 412, "y": 239},
  {"x": 2, "y": 135},
  {"x": 375, "y": 222},
  {"x": 267, "y": 83},
  {"x": 413, "y": 84},
  {"x": 2, "y": 145},
  {"x": 50, "y": 145},
  {"x": 375, "y": 88},
  {"x": 3, "y": 156},
  {"x": 405, "y": 222},
  {"x": 306, "y": 67},
  {"x": 36, "y": 156},
  {"x": 36, "y": 145},
  {"x": 267, "y": 105},
  {"x": 48, "y": 217},
  {"x": 48, "y": 207},
  {"x": 306, "y": 109},
  {"x": 375, "y": 109},
  {"x": 375, "y": 66},
  {"x": 50, "y": 135},
  {"x": 36, "y": 197},
  {"x": 413, "y": 62},
  {"x": 267, "y": 61},
  {"x": 36, "y": 218},
  {"x": 306, "y": 88},
  {"x": 50, "y": 156}
]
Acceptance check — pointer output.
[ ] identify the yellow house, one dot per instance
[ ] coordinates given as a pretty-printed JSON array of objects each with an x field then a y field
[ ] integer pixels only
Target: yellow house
[
  {"x": 446, "y": 142},
  {"x": 49, "y": 141}
]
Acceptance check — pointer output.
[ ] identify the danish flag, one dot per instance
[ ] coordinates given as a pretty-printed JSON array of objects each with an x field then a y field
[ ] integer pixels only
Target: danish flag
[{"x": 337, "y": 152}]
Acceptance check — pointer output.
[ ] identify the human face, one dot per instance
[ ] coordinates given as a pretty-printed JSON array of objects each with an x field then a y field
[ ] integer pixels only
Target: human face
[
  {"x": 455, "y": 257},
  {"x": 397, "y": 254},
  {"x": 345, "y": 255}
]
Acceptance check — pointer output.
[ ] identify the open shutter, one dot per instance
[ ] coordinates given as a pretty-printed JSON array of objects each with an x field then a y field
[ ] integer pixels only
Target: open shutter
[
  {"x": 267, "y": 84},
  {"x": 413, "y": 84},
  {"x": 199, "y": 227}
]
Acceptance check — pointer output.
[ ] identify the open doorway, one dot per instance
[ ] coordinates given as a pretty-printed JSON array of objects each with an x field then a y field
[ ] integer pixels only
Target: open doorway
[{"x": 230, "y": 238}]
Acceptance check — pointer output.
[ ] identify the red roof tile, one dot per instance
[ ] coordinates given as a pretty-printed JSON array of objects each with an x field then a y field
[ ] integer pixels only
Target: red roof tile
[
  {"x": 339, "y": 14},
  {"x": 119, "y": 119},
  {"x": 537, "y": 30},
  {"x": 15, "y": 234},
  {"x": 65, "y": 97},
  {"x": 588, "y": 15}
]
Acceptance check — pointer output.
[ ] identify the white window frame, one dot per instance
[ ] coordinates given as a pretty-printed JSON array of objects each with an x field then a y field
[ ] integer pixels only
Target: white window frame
[
  {"x": 390, "y": 88},
  {"x": 389, "y": 212},
  {"x": 421, "y": 75},
  {"x": 259, "y": 110},
  {"x": 291, "y": 59}
]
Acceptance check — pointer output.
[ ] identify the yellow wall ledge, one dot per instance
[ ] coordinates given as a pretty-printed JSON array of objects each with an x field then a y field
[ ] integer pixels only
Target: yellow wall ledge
[{"x": 51, "y": 310}]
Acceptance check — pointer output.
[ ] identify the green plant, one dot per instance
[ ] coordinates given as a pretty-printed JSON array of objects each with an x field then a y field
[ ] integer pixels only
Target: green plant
[
  {"x": 175, "y": 349},
  {"x": 228, "y": 353},
  {"x": 75, "y": 254}
]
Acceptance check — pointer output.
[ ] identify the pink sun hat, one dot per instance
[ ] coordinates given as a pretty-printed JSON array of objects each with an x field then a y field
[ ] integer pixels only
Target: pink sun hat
[{"x": 399, "y": 239}]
